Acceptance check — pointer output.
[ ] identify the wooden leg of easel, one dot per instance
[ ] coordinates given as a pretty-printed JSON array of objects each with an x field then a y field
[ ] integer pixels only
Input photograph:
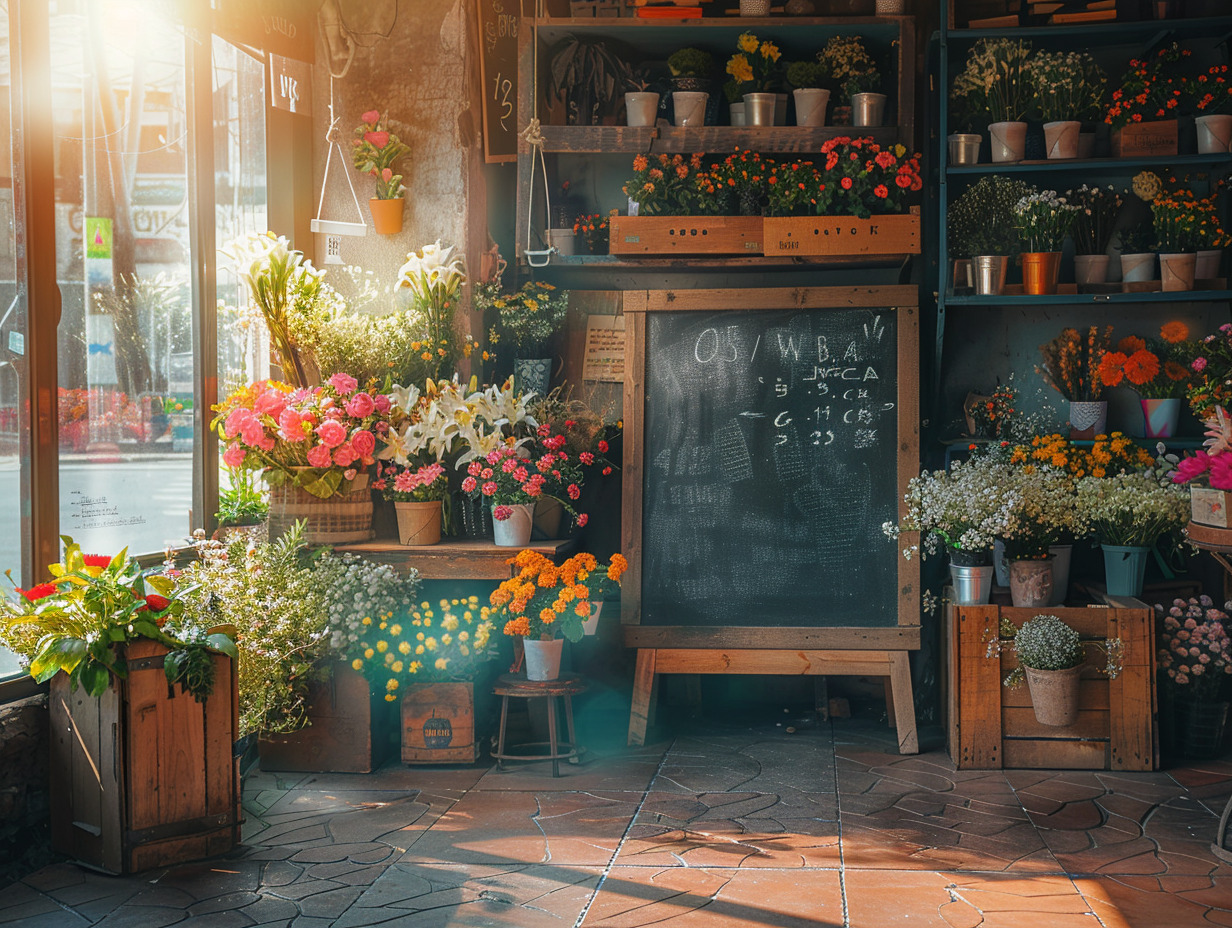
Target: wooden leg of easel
[
  {"x": 904, "y": 703},
  {"x": 643, "y": 684},
  {"x": 889, "y": 697}
]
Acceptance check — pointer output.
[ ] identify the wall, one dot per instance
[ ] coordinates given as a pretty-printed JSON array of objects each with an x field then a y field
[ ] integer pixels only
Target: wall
[{"x": 24, "y": 810}]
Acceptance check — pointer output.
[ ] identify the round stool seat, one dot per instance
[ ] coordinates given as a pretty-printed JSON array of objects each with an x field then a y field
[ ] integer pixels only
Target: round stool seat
[
  {"x": 566, "y": 686},
  {"x": 512, "y": 684}
]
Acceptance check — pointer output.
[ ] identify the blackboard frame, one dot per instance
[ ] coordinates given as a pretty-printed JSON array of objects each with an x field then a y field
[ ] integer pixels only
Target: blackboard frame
[
  {"x": 507, "y": 151},
  {"x": 901, "y": 300}
]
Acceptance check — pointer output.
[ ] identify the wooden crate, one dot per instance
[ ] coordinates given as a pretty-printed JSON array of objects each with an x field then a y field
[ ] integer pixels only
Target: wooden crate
[
  {"x": 838, "y": 236},
  {"x": 347, "y": 734},
  {"x": 994, "y": 726},
  {"x": 1210, "y": 507},
  {"x": 685, "y": 235},
  {"x": 438, "y": 724},
  {"x": 144, "y": 776},
  {"x": 1145, "y": 139}
]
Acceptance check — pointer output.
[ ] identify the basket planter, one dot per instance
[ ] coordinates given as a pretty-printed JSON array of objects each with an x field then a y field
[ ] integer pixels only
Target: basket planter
[
  {"x": 685, "y": 235},
  {"x": 1145, "y": 139},
  {"x": 419, "y": 523},
  {"x": 1194, "y": 728},
  {"x": 843, "y": 235},
  {"x": 144, "y": 776},
  {"x": 438, "y": 724},
  {"x": 345, "y": 730},
  {"x": 337, "y": 520}
]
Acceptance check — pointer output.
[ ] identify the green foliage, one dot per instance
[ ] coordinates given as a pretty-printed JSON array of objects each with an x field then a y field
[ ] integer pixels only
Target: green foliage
[
  {"x": 802, "y": 74},
  {"x": 241, "y": 503},
  {"x": 981, "y": 221},
  {"x": 690, "y": 62}
]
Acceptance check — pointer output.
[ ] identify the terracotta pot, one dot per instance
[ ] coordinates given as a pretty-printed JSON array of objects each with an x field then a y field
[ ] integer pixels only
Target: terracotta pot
[
  {"x": 386, "y": 215},
  {"x": 1031, "y": 582},
  {"x": 1176, "y": 271},
  {"x": 419, "y": 523},
  {"x": 1054, "y": 695}
]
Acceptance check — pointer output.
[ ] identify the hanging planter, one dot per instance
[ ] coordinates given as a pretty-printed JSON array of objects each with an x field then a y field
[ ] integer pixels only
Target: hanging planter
[{"x": 386, "y": 215}]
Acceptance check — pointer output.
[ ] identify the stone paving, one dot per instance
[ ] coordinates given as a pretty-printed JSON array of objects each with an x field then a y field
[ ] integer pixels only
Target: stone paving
[{"x": 719, "y": 827}]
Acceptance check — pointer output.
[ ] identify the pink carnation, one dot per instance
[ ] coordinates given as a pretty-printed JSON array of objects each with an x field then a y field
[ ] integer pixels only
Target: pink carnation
[
  {"x": 344, "y": 454},
  {"x": 469, "y": 484},
  {"x": 582, "y": 519},
  {"x": 1198, "y": 364},
  {"x": 331, "y": 432},
  {"x": 587, "y": 458},
  {"x": 360, "y": 405},
  {"x": 520, "y": 474},
  {"x": 235, "y": 421},
  {"x": 363, "y": 441},
  {"x": 573, "y": 490},
  {"x": 405, "y": 482},
  {"x": 533, "y": 489},
  {"x": 494, "y": 457},
  {"x": 501, "y": 513},
  {"x": 474, "y": 468},
  {"x": 253, "y": 432},
  {"x": 488, "y": 488},
  {"x": 345, "y": 384},
  {"x": 291, "y": 426},
  {"x": 319, "y": 456},
  {"x": 234, "y": 455},
  {"x": 271, "y": 403},
  {"x": 509, "y": 465}
]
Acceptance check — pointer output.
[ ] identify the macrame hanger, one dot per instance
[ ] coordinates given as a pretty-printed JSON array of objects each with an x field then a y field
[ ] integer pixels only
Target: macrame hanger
[
  {"x": 534, "y": 138},
  {"x": 330, "y": 227}
]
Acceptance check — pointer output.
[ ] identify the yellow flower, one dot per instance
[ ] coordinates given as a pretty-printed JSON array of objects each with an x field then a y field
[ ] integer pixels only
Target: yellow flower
[
  {"x": 396, "y": 667},
  {"x": 382, "y": 646},
  {"x": 442, "y": 663},
  {"x": 430, "y": 644},
  {"x": 357, "y": 664},
  {"x": 367, "y": 620},
  {"x": 391, "y": 685},
  {"x": 404, "y": 648},
  {"x": 770, "y": 50},
  {"x": 368, "y": 653},
  {"x": 395, "y": 629},
  {"x": 740, "y": 69},
  {"x": 747, "y": 42},
  {"x": 419, "y": 649},
  {"x": 390, "y": 697}
]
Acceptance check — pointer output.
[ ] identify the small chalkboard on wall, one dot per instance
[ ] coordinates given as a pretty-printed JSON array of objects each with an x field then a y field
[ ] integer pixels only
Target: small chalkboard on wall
[
  {"x": 772, "y": 433},
  {"x": 499, "y": 21}
]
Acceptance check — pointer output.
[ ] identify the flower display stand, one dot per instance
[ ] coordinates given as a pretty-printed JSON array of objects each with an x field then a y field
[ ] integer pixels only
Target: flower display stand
[
  {"x": 686, "y": 235},
  {"x": 345, "y": 734},
  {"x": 144, "y": 776},
  {"x": 438, "y": 724},
  {"x": 993, "y": 726},
  {"x": 896, "y": 234},
  {"x": 1145, "y": 139}
]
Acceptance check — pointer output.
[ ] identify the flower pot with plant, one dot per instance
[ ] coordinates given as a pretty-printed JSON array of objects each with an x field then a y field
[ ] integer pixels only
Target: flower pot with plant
[
  {"x": 755, "y": 68},
  {"x": 417, "y": 494},
  {"x": 1159, "y": 371},
  {"x": 1195, "y": 664},
  {"x": 1144, "y": 107},
  {"x": 1070, "y": 365},
  {"x": 431, "y": 281},
  {"x": 1052, "y": 659},
  {"x": 641, "y": 103},
  {"x": 1209, "y": 97},
  {"x": 1098, "y": 209},
  {"x": 1068, "y": 87},
  {"x": 587, "y": 77},
  {"x": 690, "y": 69},
  {"x": 592, "y": 228},
  {"x": 375, "y": 150},
  {"x": 1040, "y": 514},
  {"x": 1043, "y": 220},
  {"x": 1175, "y": 218},
  {"x": 848, "y": 67},
  {"x": 527, "y": 321},
  {"x": 807, "y": 78},
  {"x": 981, "y": 229},
  {"x": 995, "y": 83},
  {"x": 242, "y": 505}
]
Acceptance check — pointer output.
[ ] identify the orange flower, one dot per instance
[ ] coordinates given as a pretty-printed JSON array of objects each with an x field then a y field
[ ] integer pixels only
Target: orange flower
[
  {"x": 1174, "y": 332},
  {"x": 1141, "y": 367},
  {"x": 1175, "y": 371},
  {"x": 1112, "y": 368},
  {"x": 1130, "y": 343}
]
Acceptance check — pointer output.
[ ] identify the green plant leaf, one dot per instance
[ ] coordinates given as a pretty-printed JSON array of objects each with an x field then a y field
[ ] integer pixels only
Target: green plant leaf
[
  {"x": 94, "y": 677},
  {"x": 56, "y": 655},
  {"x": 223, "y": 645}
]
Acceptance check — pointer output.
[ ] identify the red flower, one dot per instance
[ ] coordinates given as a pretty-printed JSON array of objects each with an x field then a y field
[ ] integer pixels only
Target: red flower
[
  {"x": 378, "y": 139},
  {"x": 845, "y": 183},
  {"x": 582, "y": 519},
  {"x": 602, "y": 447},
  {"x": 372, "y": 117},
  {"x": 881, "y": 191},
  {"x": 97, "y": 560},
  {"x": 42, "y": 591},
  {"x": 156, "y": 602}
]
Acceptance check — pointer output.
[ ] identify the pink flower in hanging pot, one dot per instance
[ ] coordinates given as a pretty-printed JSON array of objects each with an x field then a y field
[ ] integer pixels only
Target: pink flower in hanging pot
[
  {"x": 387, "y": 175},
  {"x": 372, "y": 117},
  {"x": 378, "y": 139}
]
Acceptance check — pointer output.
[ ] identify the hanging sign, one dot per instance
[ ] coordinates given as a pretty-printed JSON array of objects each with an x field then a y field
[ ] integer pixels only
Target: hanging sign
[
  {"x": 290, "y": 85},
  {"x": 604, "y": 359},
  {"x": 498, "y": 68}
]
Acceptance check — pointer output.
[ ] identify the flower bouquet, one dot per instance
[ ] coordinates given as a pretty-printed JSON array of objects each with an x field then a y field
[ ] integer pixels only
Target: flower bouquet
[
  {"x": 1070, "y": 365},
  {"x": 375, "y": 150},
  {"x": 849, "y": 68},
  {"x": 995, "y": 86},
  {"x": 662, "y": 185},
  {"x": 1159, "y": 371},
  {"x": 1043, "y": 220},
  {"x": 546, "y": 601},
  {"x": 1068, "y": 88},
  {"x": 530, "y": 317},
  {"x": 1144, "y": 108},
  {"x": 754, "y": 66},
  {"x": 592, "y": 227},
  {"x": 432, "y": 278}
]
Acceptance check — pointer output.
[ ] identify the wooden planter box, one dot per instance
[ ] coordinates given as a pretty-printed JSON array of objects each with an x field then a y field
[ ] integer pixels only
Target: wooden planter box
[
  {"x": 347, "y": 733},
  {"x": 839, "y": 236},
  {"x": 1210, "y": 507},
  {"x": 438, "y": 724},
  {"x": 1145, "y": 139},
  {"x": 993, "y": 726},
  {"x": 685, "y": 235},
  {"x": 144, "y": 776}
]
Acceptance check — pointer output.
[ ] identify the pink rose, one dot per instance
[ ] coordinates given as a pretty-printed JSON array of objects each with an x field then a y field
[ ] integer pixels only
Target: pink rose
[
  {"x": 271, "y": 403},
  {"x": 252, "y": 432},
  {"x": 489, "y": 488},
  {"x": 332, "y": 433},
  {"x": 372, "y": 117},
  {"x": 344, "y": 454},
  {"x": 378, "y": 139},
  {"x": 360, "y": 405},
  {"x": 234, "y": 455},
  {"x": 383, "y": 403},
  {"x": 363, "y": 441},
  {"x": 345, "y": 384},
  {"x": 291, "y": 426},
  {"x": 469, "y": 484},
  {"x": 235, "y": 421},
  {"x": 319, "y": 456}
]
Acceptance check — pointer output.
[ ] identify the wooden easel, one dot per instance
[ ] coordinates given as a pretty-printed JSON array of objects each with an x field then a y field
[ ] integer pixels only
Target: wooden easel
[{"x": 816, "y": 651}]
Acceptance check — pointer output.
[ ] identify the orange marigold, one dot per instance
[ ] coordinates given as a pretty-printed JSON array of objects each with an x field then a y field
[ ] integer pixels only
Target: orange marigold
[
  {"x": 1174, "y": 331},
  {"x": 1175, "y": 371},
  {"x": 518, "y": 626},
  {"x": 1141, "y": 367},
  {"x": 547, "y": 616},
  {"x": 619, "y": 566},
  {"x": 1112, "y": 368},
  {"x": 583, "y": 608}
]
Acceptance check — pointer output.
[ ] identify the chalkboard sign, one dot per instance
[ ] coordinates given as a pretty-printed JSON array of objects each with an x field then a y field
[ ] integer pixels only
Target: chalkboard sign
[
  {"x": 498, "y": 68},
  {"x": 775, "y": 430}
]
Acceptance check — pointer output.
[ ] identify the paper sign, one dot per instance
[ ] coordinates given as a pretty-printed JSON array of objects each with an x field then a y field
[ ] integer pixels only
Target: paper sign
[
  {"x": 290, "y": 85},
  {"x": 604, "y": 359}
]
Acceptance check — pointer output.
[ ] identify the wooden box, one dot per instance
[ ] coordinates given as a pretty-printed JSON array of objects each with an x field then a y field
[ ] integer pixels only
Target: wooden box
[
  {"x": 993, "y": 726},
  {"x": 346, "y": 734},
  {"x": 685, "y": 235},
  {"x": 438, "y": 724},
  {"x": 839, "y": 236},
  {"x": 144, "y": 776},
  {"x": 1209, "y": 506},
  {"x": 1145, "y": 139}
]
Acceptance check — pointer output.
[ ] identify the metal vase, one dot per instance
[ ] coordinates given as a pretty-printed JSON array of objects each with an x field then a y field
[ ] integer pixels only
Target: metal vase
[
  {"x": 972, "y": 585},
  {"x": 759, "y": 109},
  {"x": 1040, "y": 270},
  {"x": 867, "y": 109},
  {"x": 990, "y": 273},
  {"x": 964, "y": 148}
]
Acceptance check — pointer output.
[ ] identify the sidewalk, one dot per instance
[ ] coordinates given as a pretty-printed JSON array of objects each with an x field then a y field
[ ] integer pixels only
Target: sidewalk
[{"x": 716, "y": 827}]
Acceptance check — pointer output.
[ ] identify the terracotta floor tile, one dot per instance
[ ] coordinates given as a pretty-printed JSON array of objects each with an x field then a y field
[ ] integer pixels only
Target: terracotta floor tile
[
  {"x": 876, "y": 899},
  {"x": 1175, "y": 902},
  {"x": 685, "y": 897},
  {"x": 746, "y": 842}
]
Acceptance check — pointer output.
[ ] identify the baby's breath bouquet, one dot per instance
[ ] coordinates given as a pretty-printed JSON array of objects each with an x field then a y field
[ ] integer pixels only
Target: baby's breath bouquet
[
  {"x": 1132, "y": 509},
  {"x": 1066, "y": 85},
  {"x": 995, "y": 81},
  {"x": 1043, "y": 220}
]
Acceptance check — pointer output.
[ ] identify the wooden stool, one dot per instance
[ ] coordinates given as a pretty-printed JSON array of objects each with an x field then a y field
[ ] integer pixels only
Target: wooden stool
[{"x": 567, "y": 685}]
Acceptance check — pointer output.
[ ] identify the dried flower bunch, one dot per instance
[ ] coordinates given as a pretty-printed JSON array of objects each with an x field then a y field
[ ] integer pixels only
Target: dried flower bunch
[
  {"x": 1043, "y": 219},
  {"x": 1150, "y": 89},
  {"x": 1196, "y": 657},
  {"x": 1159, "y": 370},
  {"x": 981, "y": 221},
  {"x": 1133, "y": 509},
  {"x": 754, "y": 66},
  {"x": 1098, "y": 208},
  {"x": 1066, "y": 85},
  {"x": 996, "y": 82},
  {"x": 545, "y": 600},
  {"x": 1071, "y": 362}
]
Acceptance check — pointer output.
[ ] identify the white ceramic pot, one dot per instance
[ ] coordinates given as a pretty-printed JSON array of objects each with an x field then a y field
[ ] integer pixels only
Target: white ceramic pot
[
  {"x": 514, "y": 532},
  {"x": 1091, "y": 269},
  {"x": 542, "y": 658},
  {"x": 811, "y": 106},
  {"x": 1009, "y": 140},
  {"x": 1214, "y": 133},
  {"x": 1136, "y": 268},
  {"x": 867, "y": 109},
  {"x": 641, "y": 108},
  {"x": 563, "y": 240},
  {"x": 1061, "y": 138},
  {"x": 1176, "y": 271},
  {"x": 690, "y": 107}
]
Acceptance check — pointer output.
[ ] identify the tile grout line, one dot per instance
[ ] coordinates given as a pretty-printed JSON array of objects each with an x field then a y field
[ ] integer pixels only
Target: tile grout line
[
  {"x": 607, "y": 869},
  {"x": 838, "y": 802}
]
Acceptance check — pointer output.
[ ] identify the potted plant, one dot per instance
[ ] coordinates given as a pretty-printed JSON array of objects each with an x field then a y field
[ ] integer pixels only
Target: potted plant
[
  {"x": 1070, "y": 365},
  {"x": 1137, "y": 256},
  {"x": 1175, "y": 219},
  {"x": 811, "y": 98},
  {"x": 1098, "y": 209},
  {"x": 570, "y": 426},
  {"x": 588, "y": 76},
  {"x": 241, "y": 503},
  {"x": 123, "y": 654},
  {"x": 690, "y": 68},
  {"x": 1130, "y": 514},
  {"x": 1068, "y": 87},
  {"x": 528, "y": 318},
  {"x": 846, "y": 61},
  {"x": 1040, "y": 514},
  {"x": 1051, "y": 657},
  {"x": 981, "y": 229},
  {"x": 592, "y": 228},
  {"x": 996, "y": 82},
  {"x": 432, "y": 280},
  {"x": 662, "y": 185},
  {"x": 375, "y": 150},
  {"x": 417, "y": 494},
  {"x": 1195, "y": 662},
  {"x": 544, "y": 603},
  {"x": 1043, "y": 220},
  {"x": 512, "y": 484},
  {"x": 641, "y": 103},
  {"x": 1209, "y": 96},
  {"x": 1158, "y": 371},
  {"x": 1144, "y": 107},
  {"x": 754, "y": 67}
]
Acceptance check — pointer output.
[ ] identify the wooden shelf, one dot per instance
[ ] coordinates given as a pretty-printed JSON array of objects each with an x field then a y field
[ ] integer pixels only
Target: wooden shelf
[
  {"x": 736, "y": 23},
  {"x": 716, "y": 141},
  {"x": 1152, "y": 31},
  {"x": 454, "y": 558},
  {"x": 1086, "y": 165},
  {"x": 1090, "y": 299},
  {"x": 686, "y": 263}
]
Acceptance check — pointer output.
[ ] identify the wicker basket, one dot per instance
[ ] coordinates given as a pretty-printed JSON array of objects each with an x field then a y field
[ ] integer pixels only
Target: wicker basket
[{"x": 333, "y": 521}]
